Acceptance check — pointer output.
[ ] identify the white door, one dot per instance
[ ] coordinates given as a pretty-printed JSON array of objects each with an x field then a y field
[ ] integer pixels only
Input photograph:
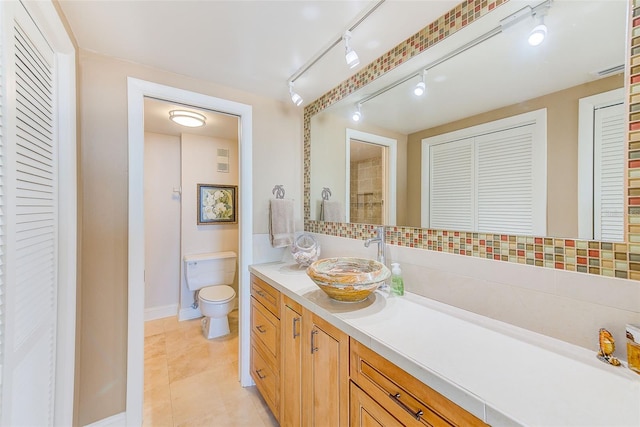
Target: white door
[{"x": 30, "y": 224}]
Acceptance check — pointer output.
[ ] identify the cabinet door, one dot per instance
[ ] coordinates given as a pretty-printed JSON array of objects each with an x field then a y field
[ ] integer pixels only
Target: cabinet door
[
  {"x": 326, "y": 373},
  {"x": 291, "y": 367},
  {"x": 366, "y": 412}
]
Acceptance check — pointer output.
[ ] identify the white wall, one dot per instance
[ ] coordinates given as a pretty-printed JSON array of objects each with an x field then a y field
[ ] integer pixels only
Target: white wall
[
  {"x": 162, "y": 225},
  {"x": 199, "y": 156}
]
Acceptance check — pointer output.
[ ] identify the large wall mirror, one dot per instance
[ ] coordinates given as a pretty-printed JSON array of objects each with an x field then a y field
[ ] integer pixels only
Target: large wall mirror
[{"x": 400, "y": 164}]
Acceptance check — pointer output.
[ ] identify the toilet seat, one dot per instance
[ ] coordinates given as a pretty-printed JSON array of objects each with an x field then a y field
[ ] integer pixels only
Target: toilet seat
[{"x": 217, "y": 294}]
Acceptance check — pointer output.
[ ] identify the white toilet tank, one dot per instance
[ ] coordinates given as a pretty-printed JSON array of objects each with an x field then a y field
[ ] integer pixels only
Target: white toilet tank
[{"x": 209, "y": 269}]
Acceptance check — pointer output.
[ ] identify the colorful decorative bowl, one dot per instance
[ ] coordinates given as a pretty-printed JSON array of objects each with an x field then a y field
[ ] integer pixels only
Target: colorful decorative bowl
[{"x": 348, "y": 279}]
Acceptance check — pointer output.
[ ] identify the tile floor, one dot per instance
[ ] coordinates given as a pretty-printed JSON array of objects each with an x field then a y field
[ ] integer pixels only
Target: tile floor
[{"x": 192, "y": 381}]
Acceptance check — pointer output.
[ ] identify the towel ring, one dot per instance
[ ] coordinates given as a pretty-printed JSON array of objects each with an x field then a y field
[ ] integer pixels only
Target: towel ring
[
  {"x": 326, "y": 193},
  {"x": 278, "y": 190}
]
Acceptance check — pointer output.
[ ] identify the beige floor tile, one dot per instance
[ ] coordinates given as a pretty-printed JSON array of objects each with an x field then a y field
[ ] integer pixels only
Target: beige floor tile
[
  {"x": 194, "y": 381},
  {"x": 195, "y": 397},
  {"x": 156, "y": 372},
  {"x": 157, "y": 407},
  {"x": 153, "y": 327},
  {"x": 154, "y": 346}
]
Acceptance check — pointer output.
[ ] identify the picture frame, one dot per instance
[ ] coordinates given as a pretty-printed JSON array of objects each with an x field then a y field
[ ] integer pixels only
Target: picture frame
[{"x": 217, "y": 204}]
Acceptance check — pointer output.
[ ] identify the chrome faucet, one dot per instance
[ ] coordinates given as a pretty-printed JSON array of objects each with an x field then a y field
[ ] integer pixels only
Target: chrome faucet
[{"x": 380, "y": 239}]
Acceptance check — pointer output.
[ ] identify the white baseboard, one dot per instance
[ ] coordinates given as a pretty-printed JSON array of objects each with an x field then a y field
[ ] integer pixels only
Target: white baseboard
[
  {"x": 160, "y": 312},
  {"x": 117, "y": 420}
]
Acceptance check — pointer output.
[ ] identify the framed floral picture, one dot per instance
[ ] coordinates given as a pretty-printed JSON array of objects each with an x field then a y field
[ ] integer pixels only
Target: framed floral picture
[{"x": 217, "y": 204}]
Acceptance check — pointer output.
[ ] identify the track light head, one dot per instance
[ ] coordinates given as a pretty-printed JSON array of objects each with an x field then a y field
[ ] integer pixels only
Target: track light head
[
  {"x": 350, "y": 55},
  {"x": 295, "y": 98},
  {"x": 538, "y": 34},
  {"x": 357, "y": 115},
  {"x": 421, "y": 87}
]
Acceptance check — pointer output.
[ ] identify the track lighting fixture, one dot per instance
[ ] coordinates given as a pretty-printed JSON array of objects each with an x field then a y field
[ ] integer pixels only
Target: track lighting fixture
[
  {"x": 538, "y": 33},
  {"x": 187, "y": 118},
  {"x": 350, "y": 55},
  {"x": 295, "y": 98},
  {"x": 421, "y": 87},
  {"x": 357, "y": 115}
]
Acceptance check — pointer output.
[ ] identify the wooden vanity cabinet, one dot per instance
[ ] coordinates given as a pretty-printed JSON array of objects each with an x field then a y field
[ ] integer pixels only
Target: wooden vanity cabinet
[
  {"x": 407, "y": 401},
  {"x": 325, "y": 373},
  {"x": 265, "y": 342},
  {"x": 291, "y": 363}
]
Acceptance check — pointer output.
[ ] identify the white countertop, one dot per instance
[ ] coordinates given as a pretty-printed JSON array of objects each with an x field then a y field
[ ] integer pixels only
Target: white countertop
[{"x": 503, "y": 374}]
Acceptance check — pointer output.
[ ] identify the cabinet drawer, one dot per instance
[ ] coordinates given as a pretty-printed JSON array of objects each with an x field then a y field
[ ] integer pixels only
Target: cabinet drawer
[
  {"x": 267, "y": 381},
  {"x": 367, "y": 412},
  {"x": 404, "y": 396},
  {"x": 265, "y": 328},
  {"x": 266, "y": 294}
]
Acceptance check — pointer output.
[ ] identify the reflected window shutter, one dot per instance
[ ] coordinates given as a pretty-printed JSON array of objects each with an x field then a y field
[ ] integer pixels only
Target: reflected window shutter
[
  {"x": 451, "y": 188},
  {"x": 609, "y": 160},
  {"x": 504, "y": 164}
]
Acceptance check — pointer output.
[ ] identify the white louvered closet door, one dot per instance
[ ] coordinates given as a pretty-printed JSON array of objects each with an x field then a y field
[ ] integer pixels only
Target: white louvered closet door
[
  {"x": 451, "y": 186},
  {"x": 505, "y": 192},
  {"x": 608, "y": 173},
  {"x": 29, "y": 224}
]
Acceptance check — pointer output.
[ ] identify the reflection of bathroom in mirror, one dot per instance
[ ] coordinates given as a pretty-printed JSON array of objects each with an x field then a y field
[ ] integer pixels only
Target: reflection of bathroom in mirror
[
  {"x": 575, "y": 77},
  {"x": 366, "y": 179}
]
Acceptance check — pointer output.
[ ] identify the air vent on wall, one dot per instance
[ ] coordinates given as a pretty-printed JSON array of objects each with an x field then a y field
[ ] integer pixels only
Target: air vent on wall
[
  {"x": 616, "y": 69},
  {"x": 223, "y": 160}
]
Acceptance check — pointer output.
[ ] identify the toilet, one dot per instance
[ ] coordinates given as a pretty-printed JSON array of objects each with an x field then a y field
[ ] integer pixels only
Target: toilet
[{"x": 209, "y": 276}]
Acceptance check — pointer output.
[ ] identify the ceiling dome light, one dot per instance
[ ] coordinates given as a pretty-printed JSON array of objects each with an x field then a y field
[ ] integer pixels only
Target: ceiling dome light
[
  {"x": 421, "y": 87},
  {"x": 295, "y": 98},
  {"x": 187, "y": 118},
  {"x": 350, "y": 55},
  {"x": 357, "y": 115},
  {"x": 538, "y": 34}
]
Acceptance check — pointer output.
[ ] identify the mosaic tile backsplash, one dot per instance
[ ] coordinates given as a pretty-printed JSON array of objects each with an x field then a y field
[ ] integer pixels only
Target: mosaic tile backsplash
[{"x": 621, "y": 260}]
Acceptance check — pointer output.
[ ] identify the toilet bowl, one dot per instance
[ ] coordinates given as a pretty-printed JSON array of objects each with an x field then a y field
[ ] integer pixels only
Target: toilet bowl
[
  {"x": 209, "y": 276},
  {"x": 215, "y": 303}
]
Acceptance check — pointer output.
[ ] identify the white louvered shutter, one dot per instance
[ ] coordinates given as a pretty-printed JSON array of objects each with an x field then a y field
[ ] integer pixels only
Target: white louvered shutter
[
  {"x": 505, "y": 181},
  {"x": 29, "y": 224},
  {"x": 451, "y": 185},
  {"x": 609, "y": 160}
]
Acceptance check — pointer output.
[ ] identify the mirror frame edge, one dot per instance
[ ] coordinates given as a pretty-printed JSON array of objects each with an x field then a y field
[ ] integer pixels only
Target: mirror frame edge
[{"x": 620, "y": 260}]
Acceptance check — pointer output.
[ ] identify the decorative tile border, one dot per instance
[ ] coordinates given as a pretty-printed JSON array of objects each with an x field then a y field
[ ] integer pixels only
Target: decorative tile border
[{"x": 621, "y": 260}]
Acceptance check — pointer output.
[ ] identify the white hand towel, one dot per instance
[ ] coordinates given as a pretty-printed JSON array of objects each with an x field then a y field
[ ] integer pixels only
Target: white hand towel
[
  {"x": 332, "y": 211},
  {"x": 281, "y": 223}
]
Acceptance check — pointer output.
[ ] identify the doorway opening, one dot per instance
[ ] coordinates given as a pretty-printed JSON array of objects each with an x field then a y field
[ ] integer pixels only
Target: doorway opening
[
  {"x": 137, "y": 91},
  {"x": 370, "y": 178}
]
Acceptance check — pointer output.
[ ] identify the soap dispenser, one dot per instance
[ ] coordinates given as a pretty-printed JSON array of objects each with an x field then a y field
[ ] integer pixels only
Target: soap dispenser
[{"x": 397, "y": 284}]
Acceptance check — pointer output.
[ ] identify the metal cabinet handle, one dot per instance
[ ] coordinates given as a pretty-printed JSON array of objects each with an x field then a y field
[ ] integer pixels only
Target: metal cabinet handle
[
  {"x": 295, "y": 321},
  {"x": 313, "y": 345},
  {"x": 261, "y": 329},
  {"x": 259, "y": 292},
  {"x": 396, "y": 398},
  {"x": 260, "y": 375}
]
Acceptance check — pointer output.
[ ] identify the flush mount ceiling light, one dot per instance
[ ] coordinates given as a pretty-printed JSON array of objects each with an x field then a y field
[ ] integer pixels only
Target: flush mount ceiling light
[
  {"x": 421, "y": 87},
  {"x": 187, "y": 118},
  {"x": 538, "y": 33},
  {"x": 295, "y": 98},
  {"x": 357, "y": 115},
  {"x": 350, "y": 55}
]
